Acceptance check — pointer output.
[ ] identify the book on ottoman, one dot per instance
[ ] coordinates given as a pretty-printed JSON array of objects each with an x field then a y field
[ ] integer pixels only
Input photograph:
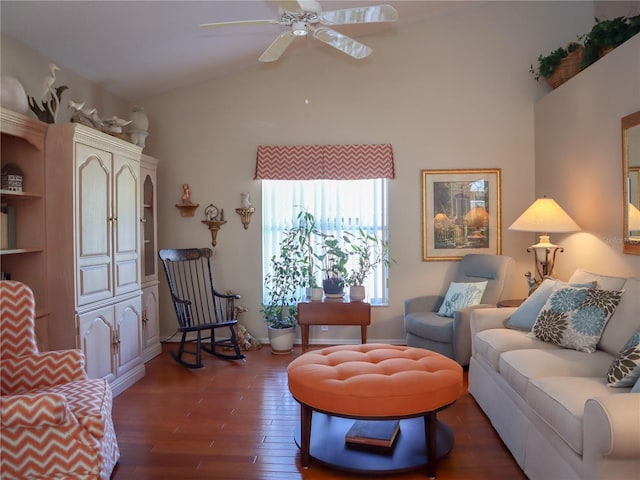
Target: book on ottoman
[{"x": 375, "y": 433}]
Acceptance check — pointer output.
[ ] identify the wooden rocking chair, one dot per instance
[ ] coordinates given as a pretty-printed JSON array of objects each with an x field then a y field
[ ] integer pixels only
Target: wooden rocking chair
[{"x": 198, "y": 306}]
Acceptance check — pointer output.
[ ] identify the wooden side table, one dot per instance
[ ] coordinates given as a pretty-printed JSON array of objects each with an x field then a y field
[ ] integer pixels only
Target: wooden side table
[{"x": 333, "y": 312}]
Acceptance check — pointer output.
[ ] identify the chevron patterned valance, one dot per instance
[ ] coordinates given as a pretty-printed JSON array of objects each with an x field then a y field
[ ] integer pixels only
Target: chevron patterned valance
[{"x": 326, "y": 162}]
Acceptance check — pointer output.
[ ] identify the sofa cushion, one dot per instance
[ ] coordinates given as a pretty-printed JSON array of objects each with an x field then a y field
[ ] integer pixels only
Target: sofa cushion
[
  {"x": 461, "y": 295},
  {"x": 625, "y": 369},
  {"x": 624, "y": 321},
  {"x": 518, "y": 367},
  {"x": 603, "y": 282},
  {"x": 525, "y": 316},
  {"x": 559, "y": 402},
  {"x": 490, "y": 344},
  {"x": 430, "y": 325},
  {"x": 575, "y": 317}
]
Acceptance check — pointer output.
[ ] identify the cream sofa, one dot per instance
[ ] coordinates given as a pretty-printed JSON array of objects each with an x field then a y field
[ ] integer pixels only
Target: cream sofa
[{"x": 551, "y": 405}]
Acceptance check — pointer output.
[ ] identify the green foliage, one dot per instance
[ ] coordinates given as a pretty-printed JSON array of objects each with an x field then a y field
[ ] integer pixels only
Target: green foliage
[
  {"x": 290, "y": 271},
  {"x": 333, "y": 258},
  {"x": 547, "y": 64},
  {"x": 303, "y": 251},
  {"x": 607, "y": 34},
  {"x": 366, "y": 252}
]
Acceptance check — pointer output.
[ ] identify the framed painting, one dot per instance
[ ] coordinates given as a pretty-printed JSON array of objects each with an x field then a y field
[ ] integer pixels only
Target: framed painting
[{"x": 461, "y": 213}]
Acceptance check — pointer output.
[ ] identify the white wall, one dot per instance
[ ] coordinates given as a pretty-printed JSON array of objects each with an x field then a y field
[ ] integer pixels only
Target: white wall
[
  {"x": 453, "y": 92},
  {"x": 579, "y": 159}
]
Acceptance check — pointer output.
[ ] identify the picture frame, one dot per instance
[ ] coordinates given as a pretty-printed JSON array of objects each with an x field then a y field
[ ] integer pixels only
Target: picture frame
[{"x": 461, "y": 213}]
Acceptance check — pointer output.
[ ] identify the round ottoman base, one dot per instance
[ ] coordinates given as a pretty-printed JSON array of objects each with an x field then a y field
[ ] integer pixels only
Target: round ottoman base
[{"x": 408, "y": 453}]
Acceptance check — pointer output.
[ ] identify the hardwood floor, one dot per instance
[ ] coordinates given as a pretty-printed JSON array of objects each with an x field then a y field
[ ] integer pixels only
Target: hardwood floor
[{"x": 235, "y": 420}]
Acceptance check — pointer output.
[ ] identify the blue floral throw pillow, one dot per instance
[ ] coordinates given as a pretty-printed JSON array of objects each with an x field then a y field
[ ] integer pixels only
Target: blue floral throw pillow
[
  {"x": 625, "y": 369},
  {"x": 575, "y": 317},
  {"x": 461, "y": 295}
]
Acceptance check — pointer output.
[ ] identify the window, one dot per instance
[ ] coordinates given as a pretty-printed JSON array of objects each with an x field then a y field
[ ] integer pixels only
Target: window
[{"x": 338, "y": 206}]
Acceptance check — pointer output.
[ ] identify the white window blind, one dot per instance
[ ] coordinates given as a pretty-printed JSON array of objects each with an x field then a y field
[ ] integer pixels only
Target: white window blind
[{"x": 338, "y": 206}]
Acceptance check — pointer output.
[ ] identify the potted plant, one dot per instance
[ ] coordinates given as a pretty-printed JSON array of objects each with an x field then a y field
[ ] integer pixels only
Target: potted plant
[
  {"x": 365, "y": 252},
  {"x": 607, "y": 35},
  {"x": 305, "y": 236},
  {"x": 334, "y": 260},
  {"x": 560, "y": 65},
  {"x": 290, "y": 272}
]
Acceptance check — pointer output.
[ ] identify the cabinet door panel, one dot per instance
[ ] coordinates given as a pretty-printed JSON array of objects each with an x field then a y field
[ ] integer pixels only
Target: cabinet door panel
[
  {"x": 129, "y": 325},
  {"x": 127, "y": 239},
  {"x": 97, "y": 335},
  {"x": 93, "y": 217},
  {"x": 150, "y": 322}
]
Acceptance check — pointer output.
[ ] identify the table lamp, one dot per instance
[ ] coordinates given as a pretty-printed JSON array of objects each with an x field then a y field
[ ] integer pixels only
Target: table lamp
[{"x": 544, "y": 216}]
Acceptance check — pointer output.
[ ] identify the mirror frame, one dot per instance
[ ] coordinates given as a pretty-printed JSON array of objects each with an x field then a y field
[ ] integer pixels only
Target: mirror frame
[{"x": 629, "y": 246}]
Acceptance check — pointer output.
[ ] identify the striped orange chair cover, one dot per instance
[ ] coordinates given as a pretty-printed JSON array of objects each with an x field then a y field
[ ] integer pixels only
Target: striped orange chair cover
[{"x": 55, "y": 421}]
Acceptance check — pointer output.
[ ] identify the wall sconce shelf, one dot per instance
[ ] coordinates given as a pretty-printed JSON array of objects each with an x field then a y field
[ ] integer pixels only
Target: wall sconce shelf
[
  {"x": 245, "y": 215},
  {"x": 214, "y": 226}
]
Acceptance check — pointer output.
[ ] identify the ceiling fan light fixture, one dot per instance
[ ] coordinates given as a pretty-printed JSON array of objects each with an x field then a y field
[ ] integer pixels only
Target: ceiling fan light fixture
[{"x": 300, "y": 29}]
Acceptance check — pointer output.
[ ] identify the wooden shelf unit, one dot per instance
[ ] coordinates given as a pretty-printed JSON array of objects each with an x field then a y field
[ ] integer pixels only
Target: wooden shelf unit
[{"x": 23, "y": 144}]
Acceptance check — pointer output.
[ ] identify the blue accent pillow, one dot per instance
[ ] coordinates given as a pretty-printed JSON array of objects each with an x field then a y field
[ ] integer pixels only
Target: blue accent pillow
[
  {"x": 461, "y": 295},
  {"x": 575, "y": 317},
  {"x": 636, "y": 387},
  {"x": 625, "y": 369},
  {"x": 525, "y": 316}
]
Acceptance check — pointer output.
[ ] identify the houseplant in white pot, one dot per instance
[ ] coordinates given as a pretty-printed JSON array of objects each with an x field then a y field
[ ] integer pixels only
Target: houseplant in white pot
[
  {"x": 290, "y": 272},
  {"x": 334, "y": 260},
  {"x": 365, "y": 251}
]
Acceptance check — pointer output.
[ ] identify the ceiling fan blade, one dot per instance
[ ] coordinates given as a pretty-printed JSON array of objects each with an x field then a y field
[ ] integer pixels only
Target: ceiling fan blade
[
  {"x": 342, "y": 42},
  {"x": 373, "y": 14},
  {"x": 300, "y": 6},
  {"x": 238, "y": 22},
  {"x": 277, "y": 48}
]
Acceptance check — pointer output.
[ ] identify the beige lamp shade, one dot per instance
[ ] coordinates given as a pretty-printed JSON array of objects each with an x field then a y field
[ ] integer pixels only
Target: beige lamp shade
[
  {"x": 634, "y": 217},
  {"x": 545, "y": 216}
]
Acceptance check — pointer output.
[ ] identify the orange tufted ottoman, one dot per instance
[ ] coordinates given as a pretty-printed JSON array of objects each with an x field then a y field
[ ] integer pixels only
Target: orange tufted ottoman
[{"x": 374, "y": 381}]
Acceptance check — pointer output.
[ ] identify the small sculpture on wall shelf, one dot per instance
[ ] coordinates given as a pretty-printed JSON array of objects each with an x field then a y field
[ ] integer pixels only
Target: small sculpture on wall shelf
[
  {"x": 186, "y": 194},
  {"x": 245, "y": 200},
  {"x": 246, "y": 210},
  {"x": 187, "y": 207}
]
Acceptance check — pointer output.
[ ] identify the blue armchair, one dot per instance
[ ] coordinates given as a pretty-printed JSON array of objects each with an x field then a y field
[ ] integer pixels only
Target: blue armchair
[{"x": 452, "y": 336}]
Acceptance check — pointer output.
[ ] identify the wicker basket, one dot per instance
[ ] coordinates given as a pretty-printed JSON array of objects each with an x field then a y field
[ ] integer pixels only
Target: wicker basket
[{"x": 569, "y": 67}]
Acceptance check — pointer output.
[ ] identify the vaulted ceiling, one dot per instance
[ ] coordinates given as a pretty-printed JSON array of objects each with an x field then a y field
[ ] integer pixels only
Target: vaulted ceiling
[{"x": 137, "y": 49}]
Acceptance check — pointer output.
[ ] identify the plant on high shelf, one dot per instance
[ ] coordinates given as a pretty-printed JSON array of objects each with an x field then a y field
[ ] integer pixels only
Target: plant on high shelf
[
  {"x": 607, "y": 35},
  {"x": 560, "y": 65},
  {"x": 365, "y": 252}
]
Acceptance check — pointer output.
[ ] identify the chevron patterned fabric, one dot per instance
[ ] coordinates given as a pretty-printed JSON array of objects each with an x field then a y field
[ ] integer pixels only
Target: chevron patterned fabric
[
  {"x": 55, "y": 421},
  {"x": 326, "y": 162}
]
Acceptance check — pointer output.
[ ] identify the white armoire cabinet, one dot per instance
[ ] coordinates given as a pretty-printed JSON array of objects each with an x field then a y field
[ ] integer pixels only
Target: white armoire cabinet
[
  {"x": 93, "y": 235},
  {"x": 149, "y": 263}
]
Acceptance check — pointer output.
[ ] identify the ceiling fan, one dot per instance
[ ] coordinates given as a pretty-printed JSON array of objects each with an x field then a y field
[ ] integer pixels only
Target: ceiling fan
[{"x": 304, "y": 16}]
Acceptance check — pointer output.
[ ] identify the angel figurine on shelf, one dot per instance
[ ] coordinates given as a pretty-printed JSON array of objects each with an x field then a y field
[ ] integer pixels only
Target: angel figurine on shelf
[{"x": 186, "y": 194}]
